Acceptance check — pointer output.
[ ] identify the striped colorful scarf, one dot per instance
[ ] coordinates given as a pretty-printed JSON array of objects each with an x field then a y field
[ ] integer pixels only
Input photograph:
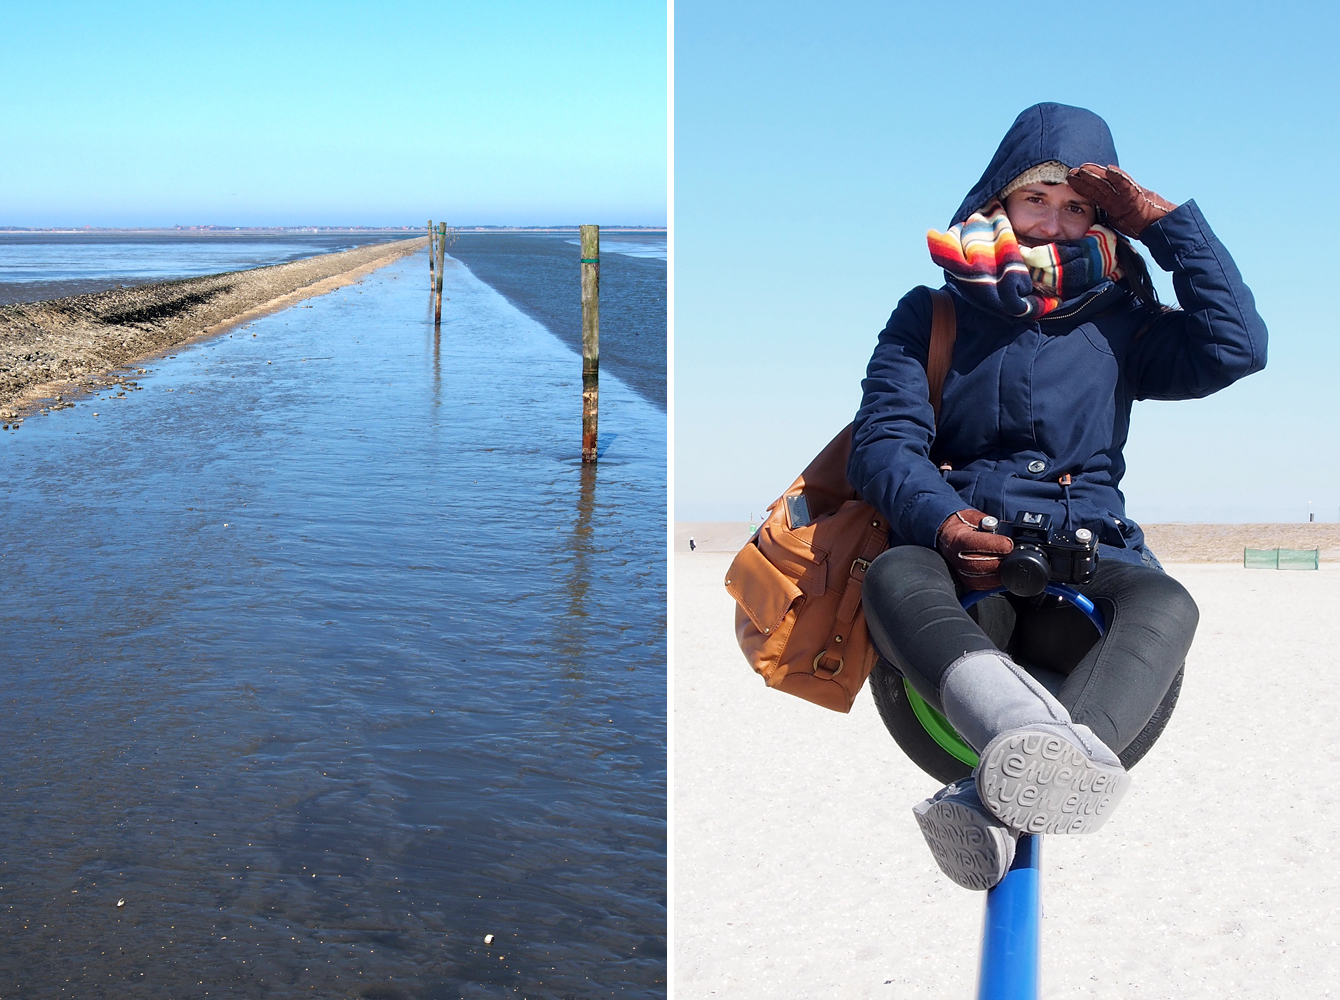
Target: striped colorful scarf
[{"x": 984, "y": 259}]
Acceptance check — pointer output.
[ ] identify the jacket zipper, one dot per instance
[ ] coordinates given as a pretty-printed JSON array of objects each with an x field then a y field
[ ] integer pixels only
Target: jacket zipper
[{"x": 1077, "y": 309}]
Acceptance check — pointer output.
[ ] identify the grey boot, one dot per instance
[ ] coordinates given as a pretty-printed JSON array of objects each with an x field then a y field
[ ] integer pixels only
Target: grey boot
[
  {"x": 1039, "y": 772},
  {"x": 970, "y": 845}
]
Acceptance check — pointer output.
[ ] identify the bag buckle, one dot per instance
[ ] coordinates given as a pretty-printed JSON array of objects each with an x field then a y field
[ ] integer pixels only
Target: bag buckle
[
  {"x": 862, "y": 565},
  {"x": 830, "y": 673}
]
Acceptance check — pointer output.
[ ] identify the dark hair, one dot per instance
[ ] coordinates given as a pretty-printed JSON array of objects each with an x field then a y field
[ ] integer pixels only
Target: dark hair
[{"x": 1136, "y": 273}]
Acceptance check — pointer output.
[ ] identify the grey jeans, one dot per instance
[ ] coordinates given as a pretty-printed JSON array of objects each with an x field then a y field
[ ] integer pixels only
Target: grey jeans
[{"x": 1113, "y": 685}]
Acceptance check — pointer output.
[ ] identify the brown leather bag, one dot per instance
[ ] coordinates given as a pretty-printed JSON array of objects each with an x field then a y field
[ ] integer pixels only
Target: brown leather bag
[{"x": 797, "y": 581}]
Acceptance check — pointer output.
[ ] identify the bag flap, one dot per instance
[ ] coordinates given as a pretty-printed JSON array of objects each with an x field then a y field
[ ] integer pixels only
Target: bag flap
[
  {"x": 761, "y": 589},
  {"x": 793, "y": 553}
]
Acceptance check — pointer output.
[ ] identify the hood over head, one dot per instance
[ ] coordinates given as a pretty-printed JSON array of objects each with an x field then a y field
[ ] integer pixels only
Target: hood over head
[{"x": 1044, "y": 132}]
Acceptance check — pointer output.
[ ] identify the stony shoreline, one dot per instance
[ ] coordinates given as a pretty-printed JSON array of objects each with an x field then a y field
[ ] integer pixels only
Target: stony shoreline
[{"x": 54, "y": 349}]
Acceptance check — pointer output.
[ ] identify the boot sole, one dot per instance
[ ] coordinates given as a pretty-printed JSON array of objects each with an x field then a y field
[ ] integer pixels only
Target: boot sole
[
  {"x": 969, "y": 847},
  {"x": 1036, "y": 782}
]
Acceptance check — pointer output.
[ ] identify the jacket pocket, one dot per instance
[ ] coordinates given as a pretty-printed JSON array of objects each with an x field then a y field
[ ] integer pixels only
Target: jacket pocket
[{"x": 1116, "y": 531}]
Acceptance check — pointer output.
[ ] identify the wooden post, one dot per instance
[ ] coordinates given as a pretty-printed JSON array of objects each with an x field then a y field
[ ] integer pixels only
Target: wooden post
[
  {"x": 590, "y": 339},
  {"x": 441, "y": 246},
  {"x": 432, "y": 246}
]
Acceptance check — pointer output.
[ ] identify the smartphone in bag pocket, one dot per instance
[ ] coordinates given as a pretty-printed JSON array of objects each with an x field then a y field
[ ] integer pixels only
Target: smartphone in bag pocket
[{"x": 797, "y": 511}]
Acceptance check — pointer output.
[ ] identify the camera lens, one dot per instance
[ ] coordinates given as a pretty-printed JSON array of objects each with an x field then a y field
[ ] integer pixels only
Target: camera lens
[{"x": 1025, "y": 571}]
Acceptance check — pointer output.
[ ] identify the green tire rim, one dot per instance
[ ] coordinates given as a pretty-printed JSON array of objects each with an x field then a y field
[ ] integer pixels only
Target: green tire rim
[{"x": 939, "y": 729}]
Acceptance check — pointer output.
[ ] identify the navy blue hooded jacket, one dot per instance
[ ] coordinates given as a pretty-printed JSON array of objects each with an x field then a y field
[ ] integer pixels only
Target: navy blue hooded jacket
[{"x": 1027, "y": 401}]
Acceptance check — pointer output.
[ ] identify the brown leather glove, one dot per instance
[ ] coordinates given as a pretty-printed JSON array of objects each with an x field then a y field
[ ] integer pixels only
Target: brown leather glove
[
  {"x": 1129, "y": 207},
  {"x": 973, "y": 556}
]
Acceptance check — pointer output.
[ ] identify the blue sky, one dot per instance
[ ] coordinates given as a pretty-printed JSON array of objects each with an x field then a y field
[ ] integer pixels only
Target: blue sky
[
  {"x": 333, "y": 113},
  {"x": 815, "y": 144}
]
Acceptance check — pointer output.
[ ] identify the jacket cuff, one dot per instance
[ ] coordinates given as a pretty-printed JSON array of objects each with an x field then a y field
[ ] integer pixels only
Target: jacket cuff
[
  {"x": 931, "y": 512},
  {"x": 1178, "y": 234}
]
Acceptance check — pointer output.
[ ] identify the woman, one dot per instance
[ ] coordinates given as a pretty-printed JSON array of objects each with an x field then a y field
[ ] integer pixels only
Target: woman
[{"x": 1058, "y": 332}]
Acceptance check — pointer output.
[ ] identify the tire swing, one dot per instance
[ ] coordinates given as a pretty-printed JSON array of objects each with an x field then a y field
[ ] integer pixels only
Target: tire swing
[
  {"x": 1010, "y": 955},
  {"x": 932, "y": 743}
]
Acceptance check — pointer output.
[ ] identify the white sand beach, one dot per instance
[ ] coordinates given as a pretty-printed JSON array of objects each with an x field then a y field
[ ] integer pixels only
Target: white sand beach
[{"x": 800, "y": 873}]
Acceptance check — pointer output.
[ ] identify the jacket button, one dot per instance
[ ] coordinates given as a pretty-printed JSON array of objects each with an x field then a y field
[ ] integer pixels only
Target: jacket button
[{"x": 1037, "y": 465}]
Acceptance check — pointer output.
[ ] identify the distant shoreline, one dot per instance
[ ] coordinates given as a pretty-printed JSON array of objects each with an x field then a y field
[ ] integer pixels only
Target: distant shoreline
[
  {"x": 62, "y": 347},
  {"x": 1172, "y": 543},
  {"x": 290, "y": 230}
]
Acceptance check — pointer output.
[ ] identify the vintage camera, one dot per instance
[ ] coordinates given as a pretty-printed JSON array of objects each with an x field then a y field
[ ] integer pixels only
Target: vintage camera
[{"x": 1043, "y": 554}]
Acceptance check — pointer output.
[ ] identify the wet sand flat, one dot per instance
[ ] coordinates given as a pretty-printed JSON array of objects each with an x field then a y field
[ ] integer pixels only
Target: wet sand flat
[
  {"x": 535, "y": 272},
  {"x": 58, "y": 346},
  {"x": 799, "y": 870}
]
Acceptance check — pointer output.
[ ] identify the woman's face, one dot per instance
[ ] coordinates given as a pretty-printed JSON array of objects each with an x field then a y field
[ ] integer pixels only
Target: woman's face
[{"x": 1045, "y": 213}]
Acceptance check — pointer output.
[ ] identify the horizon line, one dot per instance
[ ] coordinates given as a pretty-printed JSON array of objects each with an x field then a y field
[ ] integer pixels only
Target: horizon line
[{"x": 473, "y": 227}]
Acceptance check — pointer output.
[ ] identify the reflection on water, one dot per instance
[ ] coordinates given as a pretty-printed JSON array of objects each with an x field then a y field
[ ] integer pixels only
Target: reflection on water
[
  {"x": 325, "y": 657},
  {"x": 577, "y": 581}
]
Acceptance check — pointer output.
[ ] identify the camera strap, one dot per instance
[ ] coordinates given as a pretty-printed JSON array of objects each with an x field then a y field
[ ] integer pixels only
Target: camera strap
[{"x": 1065, "y": 482}]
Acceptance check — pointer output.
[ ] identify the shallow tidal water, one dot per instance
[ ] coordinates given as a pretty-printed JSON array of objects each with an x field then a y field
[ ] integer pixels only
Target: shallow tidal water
[
  {"x": 324, "y": 657},
  {"x": 38, "y": 265}
]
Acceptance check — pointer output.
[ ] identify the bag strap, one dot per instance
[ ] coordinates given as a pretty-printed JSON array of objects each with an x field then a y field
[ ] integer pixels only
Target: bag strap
[
  {"x": 940, "y": 355},
  {"x": 828, "y": 664}
]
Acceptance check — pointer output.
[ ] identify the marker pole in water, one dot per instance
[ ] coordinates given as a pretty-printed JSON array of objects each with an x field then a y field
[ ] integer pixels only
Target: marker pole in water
[
  {"x": 441, "y": 248},
  {"x": 590, "y": 339},
  {"x": 1010, "y": 950},
  {"x": 432, "y": 248}
]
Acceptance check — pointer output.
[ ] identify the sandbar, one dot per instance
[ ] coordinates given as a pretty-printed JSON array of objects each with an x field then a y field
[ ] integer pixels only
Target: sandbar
[{"x": 60, "y": 347}]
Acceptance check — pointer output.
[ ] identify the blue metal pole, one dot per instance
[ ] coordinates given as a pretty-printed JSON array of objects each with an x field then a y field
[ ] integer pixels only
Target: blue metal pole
[{"x": 1010, "y": 929}]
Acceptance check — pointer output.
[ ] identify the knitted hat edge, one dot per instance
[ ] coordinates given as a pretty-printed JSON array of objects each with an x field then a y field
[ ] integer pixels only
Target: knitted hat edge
[{"x": 1050, "y": 172}]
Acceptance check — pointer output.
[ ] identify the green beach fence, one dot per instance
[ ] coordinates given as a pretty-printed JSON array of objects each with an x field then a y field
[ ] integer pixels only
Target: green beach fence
[{"x": 1281, "y": 558}]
